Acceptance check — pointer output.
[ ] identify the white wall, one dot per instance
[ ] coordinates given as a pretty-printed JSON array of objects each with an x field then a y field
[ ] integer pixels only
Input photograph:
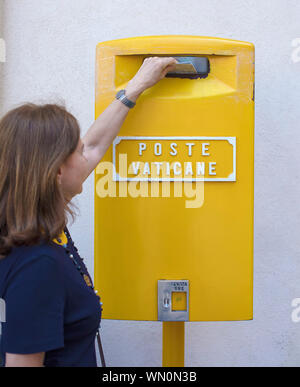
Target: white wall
[{"x": 51, "y": 55}]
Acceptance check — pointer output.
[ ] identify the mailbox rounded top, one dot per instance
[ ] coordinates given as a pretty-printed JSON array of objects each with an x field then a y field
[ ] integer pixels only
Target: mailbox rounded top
[{"x": 193, "y": 43}]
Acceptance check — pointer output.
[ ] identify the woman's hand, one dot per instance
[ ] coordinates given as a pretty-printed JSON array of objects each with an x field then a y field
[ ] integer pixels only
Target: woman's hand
[{"x": 152, "y": 70}]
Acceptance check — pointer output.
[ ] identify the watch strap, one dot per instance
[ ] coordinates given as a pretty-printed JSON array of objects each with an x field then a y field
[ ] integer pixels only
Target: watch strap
[{"x": 122, "y": 97}]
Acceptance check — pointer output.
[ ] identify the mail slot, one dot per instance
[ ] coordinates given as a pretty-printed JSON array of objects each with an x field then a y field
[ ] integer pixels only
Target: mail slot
[{"x": 160, "y": 252}]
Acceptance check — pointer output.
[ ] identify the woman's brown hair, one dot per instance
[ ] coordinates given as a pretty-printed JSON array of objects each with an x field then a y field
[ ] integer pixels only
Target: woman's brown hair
[{"x": 34, "y": 142}]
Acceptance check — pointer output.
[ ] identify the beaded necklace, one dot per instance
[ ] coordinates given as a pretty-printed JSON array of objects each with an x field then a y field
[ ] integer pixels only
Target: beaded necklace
[{"x": 63, "y": 240}]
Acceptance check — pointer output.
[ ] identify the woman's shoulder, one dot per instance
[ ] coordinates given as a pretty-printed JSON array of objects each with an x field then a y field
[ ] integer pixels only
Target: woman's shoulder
[
  {"x": 21, "y": 258},
  {"x": 27, "y": 253}
]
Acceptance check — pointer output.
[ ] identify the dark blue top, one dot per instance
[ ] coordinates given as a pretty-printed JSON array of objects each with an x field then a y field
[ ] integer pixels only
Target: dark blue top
[{"x": 49, "y": 306}]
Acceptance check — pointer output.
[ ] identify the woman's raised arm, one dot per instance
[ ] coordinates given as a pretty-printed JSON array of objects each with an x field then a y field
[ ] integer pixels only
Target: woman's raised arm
[{"x": 103, "y": 131}]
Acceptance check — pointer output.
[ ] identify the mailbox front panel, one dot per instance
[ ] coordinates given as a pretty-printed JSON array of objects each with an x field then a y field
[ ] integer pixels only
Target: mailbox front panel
[{"x": 183, "y": 134}]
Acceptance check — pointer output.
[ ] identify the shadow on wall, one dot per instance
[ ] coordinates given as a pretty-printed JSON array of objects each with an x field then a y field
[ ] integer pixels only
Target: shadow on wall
[{"x": 2, "y": 53}]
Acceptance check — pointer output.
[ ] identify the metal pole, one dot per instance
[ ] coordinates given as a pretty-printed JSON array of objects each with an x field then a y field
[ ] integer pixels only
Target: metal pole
[{"x": 173, "y": 344}]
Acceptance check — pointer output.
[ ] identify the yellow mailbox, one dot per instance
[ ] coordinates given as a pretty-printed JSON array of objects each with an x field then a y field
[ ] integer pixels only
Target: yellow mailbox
[{"x": 174, "y": 192}]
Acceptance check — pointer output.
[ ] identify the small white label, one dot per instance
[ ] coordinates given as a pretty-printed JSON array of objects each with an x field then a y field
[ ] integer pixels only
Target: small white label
[{"x": 175, "y": 158}]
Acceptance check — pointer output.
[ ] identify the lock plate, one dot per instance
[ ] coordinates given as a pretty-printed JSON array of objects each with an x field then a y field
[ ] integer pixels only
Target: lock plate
[{"x": 172, "y": 296}]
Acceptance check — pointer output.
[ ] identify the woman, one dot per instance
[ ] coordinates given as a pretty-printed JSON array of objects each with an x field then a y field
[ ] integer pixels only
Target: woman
[{"x": 52, "y": 311}]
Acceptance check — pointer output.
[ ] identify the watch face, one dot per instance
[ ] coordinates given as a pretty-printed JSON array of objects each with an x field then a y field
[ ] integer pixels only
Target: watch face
[{"x": 120, "y": 93}]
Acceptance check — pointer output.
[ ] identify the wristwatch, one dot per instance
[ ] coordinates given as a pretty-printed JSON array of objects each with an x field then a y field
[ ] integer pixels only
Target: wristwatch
[{"x": 122, "y": 97}]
